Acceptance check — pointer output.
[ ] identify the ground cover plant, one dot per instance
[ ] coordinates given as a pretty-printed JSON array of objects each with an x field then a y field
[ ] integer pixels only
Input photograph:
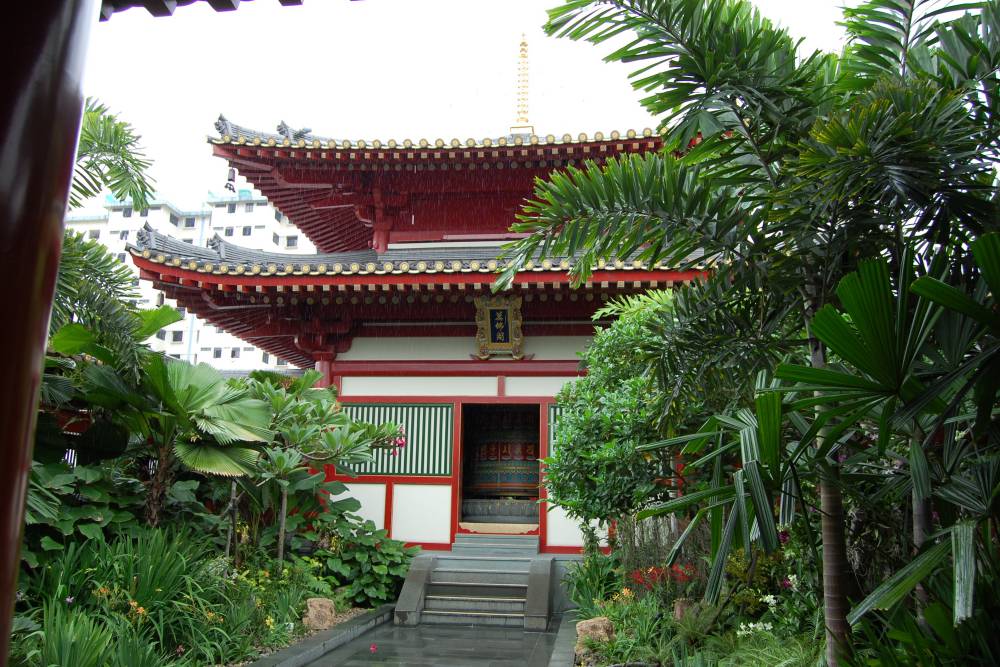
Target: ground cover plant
[{"x": 828, "y": 388}]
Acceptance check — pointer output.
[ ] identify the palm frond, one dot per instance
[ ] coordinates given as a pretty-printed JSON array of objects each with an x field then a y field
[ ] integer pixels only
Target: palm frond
[
  {"x": 884, "y": 35},
  {"x": 214, "y": 460},
  {"x": 109, "y": 155}
]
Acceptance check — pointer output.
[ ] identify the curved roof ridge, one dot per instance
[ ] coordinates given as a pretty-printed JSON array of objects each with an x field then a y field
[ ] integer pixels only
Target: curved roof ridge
[{"x": 230, "y": 132}]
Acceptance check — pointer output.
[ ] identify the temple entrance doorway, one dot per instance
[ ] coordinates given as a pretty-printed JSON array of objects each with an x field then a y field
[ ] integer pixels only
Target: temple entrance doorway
[{"x": 500, "y": 468}]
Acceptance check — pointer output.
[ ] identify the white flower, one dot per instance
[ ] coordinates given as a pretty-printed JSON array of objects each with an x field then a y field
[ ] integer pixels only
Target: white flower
[
  {"x": 793, "y": 579},
  {"x": 769, "y": 600}
]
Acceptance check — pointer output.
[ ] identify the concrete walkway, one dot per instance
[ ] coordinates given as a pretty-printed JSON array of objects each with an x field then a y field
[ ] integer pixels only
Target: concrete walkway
[{"x": 444, "y": 646}]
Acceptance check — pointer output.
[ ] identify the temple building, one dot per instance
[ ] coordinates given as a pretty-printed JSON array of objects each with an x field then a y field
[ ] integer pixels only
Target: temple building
[{"x": 396, "y": 309}]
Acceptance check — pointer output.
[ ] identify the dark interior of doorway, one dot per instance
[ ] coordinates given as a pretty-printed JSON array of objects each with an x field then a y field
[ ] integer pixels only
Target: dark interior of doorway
[{"x": 500, "y": 464}]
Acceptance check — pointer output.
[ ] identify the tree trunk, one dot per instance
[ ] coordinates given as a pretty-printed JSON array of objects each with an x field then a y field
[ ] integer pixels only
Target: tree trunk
[
  {"x": 834, "y": 565},
  {"x": 281, "y": 526},
  {"x": 835, "y": 577},
  {"x": 231, "y": 515},
  {"x": 158, "y": 485}
]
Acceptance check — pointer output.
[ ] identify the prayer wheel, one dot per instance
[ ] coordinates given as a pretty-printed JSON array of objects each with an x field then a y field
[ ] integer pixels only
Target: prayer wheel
[{"x": 503, "y": 458}]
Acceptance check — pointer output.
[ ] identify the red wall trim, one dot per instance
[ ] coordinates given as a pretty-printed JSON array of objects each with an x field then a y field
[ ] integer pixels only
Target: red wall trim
[
  {"x": 543, "y": 452},
  {"x": 457, "y": 367},
  {"x": 431, "y": 546},
  {"x": 484, "y": 400},
  {"x": 562, "y": 550},
  {"x": 387, "y": 519},
  {"x": 456, "y": 469},
  {"x": 390, "y": 479}
]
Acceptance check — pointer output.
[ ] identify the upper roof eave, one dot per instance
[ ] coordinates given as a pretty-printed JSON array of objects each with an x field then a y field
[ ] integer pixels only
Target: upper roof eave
[
  {"x": 237, "y": 135},
  {"x": 224, "y": 258}
]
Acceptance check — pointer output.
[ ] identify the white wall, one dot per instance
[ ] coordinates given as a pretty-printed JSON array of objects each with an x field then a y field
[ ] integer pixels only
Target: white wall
[
  {"x": 420, "y": 348},
  {"x": 419, "y": 386},
  {"x": 556, "y": 347},
  {"x": 372, "y": 498},
  {"x": 535, "y": 386},
  {"x": 428, "y": 348},
  {"x": 562, "y": 531},
  {"x": 421, "y": 513}
]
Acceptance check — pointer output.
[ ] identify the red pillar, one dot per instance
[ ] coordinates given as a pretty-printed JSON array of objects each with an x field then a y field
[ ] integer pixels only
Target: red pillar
[
  {"x": 325, "y": 366},
  {"x": 39, "y": 122}
]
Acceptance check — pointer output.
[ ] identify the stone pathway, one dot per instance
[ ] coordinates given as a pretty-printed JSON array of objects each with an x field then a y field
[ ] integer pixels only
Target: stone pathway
[{"x": 443, "y": 646}]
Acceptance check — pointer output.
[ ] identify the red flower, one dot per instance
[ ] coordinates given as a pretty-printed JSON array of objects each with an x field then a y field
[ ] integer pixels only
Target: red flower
[{"x": 373, "y": 648}]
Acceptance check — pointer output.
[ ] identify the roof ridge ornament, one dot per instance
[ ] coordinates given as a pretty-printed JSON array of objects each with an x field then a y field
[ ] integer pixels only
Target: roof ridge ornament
[{"x": 285, "y": 130}]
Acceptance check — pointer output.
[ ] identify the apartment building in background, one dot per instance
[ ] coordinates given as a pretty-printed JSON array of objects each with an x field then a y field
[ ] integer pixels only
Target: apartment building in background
[{"x": 245, "y": 218}]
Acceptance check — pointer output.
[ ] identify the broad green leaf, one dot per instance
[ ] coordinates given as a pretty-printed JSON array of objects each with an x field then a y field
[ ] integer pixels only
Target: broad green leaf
[
  {"x": 151, "y": 321},
  {"x": 919, "y": 471},
  {"x": 896, "y": 587},
  {"x": 216, "y": 460},
  {"x": 685, "y": 501},
  {"x": 768, "y": 406},
  {"x": 763, "y": 509},
  {"x": 91, "y": 531},
  {"x": 714, "y": 584},
  {"x": 72, "y": 338},
  {"x": 963, "y": 548},
  {"x": 48, "y": 544}
]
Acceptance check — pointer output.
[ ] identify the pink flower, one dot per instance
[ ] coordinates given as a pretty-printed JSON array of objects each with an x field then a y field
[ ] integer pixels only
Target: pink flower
[
  {"x": 786, "y": 583},
  {"x": 373, "y": 648},
  {"x": 393, "y": 452},
  {"x": 784, "y": 536}
]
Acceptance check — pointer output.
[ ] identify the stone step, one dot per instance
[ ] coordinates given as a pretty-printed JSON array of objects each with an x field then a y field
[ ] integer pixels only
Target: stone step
[
  {"x": 492, "y": 562},
  {"x": 480, "y": 589},
  {"x": 512, "y": 620},
  {"x": 492, "y": 549},
  {"x": 472, "y": 603},
  {"x": 518, "y": 540},
  {"x": 471, "y": 575}
]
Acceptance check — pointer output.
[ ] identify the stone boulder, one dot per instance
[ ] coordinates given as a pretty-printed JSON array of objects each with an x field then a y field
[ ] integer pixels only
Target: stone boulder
[
  {"x": 320, "y": 614},
  {"x": 598, "y": 629}
]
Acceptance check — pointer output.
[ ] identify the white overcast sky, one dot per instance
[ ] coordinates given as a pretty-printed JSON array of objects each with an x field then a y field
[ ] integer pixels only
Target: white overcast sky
[{"x": 375, "y": 69}]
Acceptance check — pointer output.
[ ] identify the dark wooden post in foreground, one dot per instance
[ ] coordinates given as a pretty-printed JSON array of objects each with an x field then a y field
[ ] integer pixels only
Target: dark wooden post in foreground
[{"x": 44, "y": 48}]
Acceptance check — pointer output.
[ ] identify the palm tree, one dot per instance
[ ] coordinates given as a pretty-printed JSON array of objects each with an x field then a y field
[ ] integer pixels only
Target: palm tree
[
  {"x": 109, "y": 156},
  {"x": 183, "y": 415},
  {"x": 793, "y": 168}
]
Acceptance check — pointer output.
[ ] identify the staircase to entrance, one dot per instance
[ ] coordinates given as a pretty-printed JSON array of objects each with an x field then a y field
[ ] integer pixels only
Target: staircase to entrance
[{"x": 498, "y": 580}]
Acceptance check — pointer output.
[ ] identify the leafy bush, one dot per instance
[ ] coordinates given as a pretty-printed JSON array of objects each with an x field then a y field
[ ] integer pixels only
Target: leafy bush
[
  {"x": 71, "y": 503},
  {"x": 366, "y": 561}
]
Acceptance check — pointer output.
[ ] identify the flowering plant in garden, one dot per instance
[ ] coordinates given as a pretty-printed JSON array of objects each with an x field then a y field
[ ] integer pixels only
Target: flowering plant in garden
[{"x": 675, "y": 581}]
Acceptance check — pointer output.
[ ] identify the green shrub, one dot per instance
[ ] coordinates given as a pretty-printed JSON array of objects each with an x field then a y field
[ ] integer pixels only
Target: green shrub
[
  {"x": 366, "y": 561},
  {"x": 592, "y": 580},
  {"x": 74, "y": 637}
]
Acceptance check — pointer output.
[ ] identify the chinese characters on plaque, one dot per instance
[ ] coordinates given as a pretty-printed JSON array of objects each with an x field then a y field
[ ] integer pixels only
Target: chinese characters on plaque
[{"x": 498, "y": 321}]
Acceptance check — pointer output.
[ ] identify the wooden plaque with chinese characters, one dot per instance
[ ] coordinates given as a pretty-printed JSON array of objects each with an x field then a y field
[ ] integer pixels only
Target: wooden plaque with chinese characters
[{"x": 499, "y": 327}]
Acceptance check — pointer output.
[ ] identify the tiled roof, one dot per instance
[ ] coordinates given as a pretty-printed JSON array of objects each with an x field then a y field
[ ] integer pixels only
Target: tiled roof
[
  {"x": 231, "y": 133},
  {"x": 224, "y": 258},
  {"x": 166, "y": 7}
]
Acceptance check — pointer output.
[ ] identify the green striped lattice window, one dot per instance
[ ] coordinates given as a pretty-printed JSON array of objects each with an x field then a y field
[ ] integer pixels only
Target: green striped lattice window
[
  {"x": 429, "y": 437},
  {"x": 555, "y": 411}
]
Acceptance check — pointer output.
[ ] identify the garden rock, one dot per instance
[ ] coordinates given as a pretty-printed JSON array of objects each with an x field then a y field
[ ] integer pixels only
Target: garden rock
[
  {"x": 320, "y": 614},
  {"x": 597, "y": 629}
]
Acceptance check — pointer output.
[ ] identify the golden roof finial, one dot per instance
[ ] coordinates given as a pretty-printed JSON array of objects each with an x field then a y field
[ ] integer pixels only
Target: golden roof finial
[{"x": 522, "y": 125}]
